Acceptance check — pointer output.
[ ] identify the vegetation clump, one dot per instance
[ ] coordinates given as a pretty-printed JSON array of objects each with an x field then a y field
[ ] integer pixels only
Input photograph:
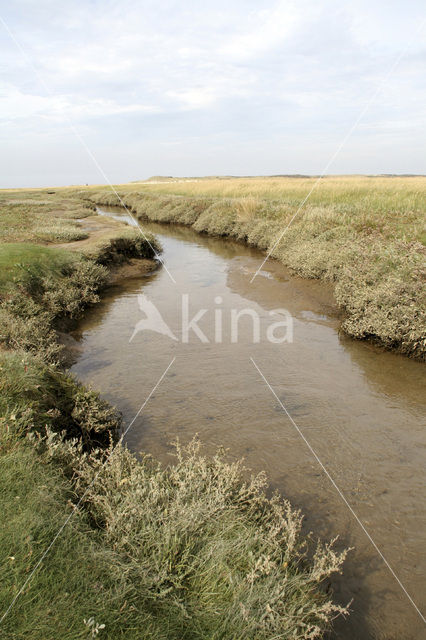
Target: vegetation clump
[
  {"x": 43, "y": 290},
  {"x": 195, "y": 550},
  {"x": 35, "y": 395}
]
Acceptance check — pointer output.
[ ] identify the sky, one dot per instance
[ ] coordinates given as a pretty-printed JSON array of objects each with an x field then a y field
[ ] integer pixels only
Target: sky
[{"x": 94, "y": 91}]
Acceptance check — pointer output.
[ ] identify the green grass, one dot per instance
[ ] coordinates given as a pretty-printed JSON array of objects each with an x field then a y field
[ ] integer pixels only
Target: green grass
[
  {"x": 74, "y": 581},
  {"x": 395, "y": 205},
  {"x": 191, "y": 552},
  {"x": 40, "y": 288},
  {"x": 17, "y": 258},
  {"x": 36, "y": 216},
  {"x": 35, "y": 395}
]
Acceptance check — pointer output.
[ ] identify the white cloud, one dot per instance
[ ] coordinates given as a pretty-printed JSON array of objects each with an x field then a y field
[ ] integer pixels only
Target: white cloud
[
  {"x": 194, "y": 98},
  {"x": 16, "y": 105},
  {"x": 266, "y": 30}
]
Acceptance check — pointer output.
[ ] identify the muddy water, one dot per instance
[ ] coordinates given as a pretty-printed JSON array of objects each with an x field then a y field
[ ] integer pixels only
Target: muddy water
[{"x": 360, "y": 409}]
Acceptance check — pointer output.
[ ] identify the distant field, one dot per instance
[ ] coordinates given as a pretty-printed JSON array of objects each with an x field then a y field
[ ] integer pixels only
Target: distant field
[{"x": 386, "y": 204}]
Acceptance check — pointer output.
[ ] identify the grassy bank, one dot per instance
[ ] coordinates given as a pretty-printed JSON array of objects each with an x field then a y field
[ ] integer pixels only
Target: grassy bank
[
  {"x": 193, "y": 551},
  {"x": 44, "y": 286},
  {"x": 365, "y": 235}
]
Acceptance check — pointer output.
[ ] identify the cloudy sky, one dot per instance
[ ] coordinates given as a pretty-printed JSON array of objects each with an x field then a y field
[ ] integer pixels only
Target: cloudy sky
[{"x": 236, "y": 87}]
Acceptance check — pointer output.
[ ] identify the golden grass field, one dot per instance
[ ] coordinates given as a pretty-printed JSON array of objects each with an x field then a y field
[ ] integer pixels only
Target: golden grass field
[{"x": 388, "y": 203}]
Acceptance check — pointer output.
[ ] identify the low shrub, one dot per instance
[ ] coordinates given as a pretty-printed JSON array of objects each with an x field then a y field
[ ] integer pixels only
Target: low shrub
[
  {"x": 34, "y": 394},
  {"x": 78, "y": 213},
  {"x": 78, "y": 288},
  {"x": 197, "y": 550},
  {"x": 41, "y": 296},
  {"x": 121, "y": 246},
  {"x": 60, "y": 233},
  {"x": 40, "y": 218},
  {"x": 31, "y": 333}
]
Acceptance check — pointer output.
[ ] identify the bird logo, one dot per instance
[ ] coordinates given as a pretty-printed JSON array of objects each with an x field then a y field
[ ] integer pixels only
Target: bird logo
[{"x": 153, "y": 320}]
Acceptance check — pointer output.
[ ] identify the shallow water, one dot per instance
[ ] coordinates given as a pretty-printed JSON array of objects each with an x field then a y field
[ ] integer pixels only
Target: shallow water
[{"x": 360, "y": 409}]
